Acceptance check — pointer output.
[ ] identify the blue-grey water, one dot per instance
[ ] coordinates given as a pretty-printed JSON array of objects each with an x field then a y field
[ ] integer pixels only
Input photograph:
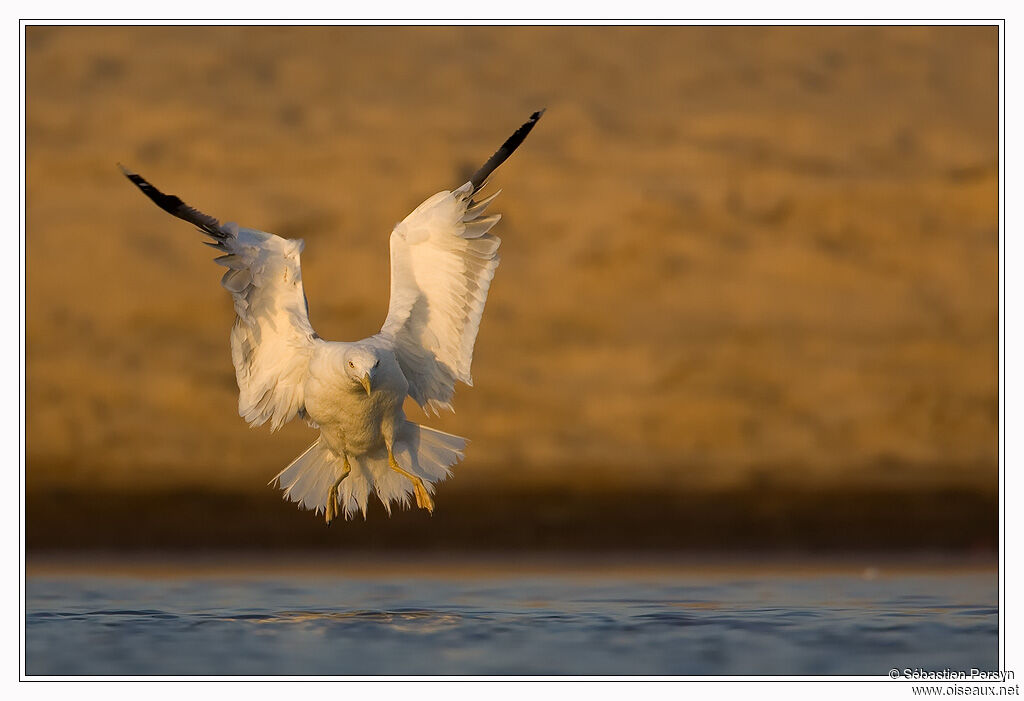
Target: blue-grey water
[{"x": 674, "y": 622}]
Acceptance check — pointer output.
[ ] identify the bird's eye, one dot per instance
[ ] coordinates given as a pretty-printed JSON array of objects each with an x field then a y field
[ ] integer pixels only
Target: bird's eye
[{"x": 351, "y": 365}]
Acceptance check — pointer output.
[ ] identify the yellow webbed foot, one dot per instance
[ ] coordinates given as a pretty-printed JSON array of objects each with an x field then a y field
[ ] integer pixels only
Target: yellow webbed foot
[
  {"x": 331, "y": 512},
  {"x": 423, "y": 498}
]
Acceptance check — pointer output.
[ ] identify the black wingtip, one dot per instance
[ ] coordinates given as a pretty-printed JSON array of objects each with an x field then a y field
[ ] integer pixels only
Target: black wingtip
[
  {"x": 168, "y": 203},
  {"x": 172, "y": 204},
  {"x": 133, "y": 176},
  {"x": 506, "y": 150}
]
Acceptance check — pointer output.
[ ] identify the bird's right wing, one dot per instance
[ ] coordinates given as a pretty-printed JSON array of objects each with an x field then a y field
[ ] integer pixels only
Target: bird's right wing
[{"x": 271, "y": 340}]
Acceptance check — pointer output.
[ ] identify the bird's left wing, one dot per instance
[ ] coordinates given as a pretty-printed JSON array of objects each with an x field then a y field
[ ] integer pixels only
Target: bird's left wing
[
  {"x": 271, "y": 340},
  {"x": 442, "y": 262}
]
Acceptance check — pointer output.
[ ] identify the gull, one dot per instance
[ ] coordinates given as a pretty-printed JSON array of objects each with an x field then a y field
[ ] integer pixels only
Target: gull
[{"x": 442, "y": 261}]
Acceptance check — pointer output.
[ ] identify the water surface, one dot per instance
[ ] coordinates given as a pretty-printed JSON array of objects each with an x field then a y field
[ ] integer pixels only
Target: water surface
[{"x": 686, "y": 621}]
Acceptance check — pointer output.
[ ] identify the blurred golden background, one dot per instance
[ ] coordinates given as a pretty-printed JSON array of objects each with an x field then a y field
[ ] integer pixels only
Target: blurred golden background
[{"x": 748, "y": 293}]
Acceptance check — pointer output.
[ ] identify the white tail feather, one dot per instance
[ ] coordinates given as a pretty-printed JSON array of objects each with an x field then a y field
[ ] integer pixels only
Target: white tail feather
[{"x": 418, "y": 449}]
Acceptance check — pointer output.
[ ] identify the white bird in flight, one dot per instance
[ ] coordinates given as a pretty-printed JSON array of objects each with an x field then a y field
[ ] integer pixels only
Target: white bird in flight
[{"x": 442, "y": 262}]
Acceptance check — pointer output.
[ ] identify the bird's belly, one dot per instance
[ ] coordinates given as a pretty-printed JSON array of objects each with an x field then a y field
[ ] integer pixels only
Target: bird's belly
[
  {"x": 350, "y": 421},
  {"x": 353, "y": 438}
]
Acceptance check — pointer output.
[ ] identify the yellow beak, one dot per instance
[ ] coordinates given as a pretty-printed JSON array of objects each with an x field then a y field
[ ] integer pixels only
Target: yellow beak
[{"x": 365, "y": 382}]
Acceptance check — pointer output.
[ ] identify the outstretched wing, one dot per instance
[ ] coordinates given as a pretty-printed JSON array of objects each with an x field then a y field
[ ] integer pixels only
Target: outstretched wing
[
  {"x": 442, "y": 263},
  {"x": 271, "y": 339}
]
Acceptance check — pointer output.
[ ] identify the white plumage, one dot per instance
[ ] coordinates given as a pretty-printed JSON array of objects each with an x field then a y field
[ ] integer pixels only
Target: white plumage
[{"x": 442, "y": 261}]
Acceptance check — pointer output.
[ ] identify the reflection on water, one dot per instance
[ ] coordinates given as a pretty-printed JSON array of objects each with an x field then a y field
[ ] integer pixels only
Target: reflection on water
[{"x": 674, "y": 623}]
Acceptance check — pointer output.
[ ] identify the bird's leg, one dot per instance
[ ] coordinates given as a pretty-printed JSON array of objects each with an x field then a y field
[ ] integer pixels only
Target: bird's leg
[
  {"x": 333, "y": 509},
  {"x": 423, "y": 498}
]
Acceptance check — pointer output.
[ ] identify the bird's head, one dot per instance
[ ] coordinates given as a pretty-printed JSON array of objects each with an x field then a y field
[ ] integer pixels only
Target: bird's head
[{"x": 361, "y": 365}]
